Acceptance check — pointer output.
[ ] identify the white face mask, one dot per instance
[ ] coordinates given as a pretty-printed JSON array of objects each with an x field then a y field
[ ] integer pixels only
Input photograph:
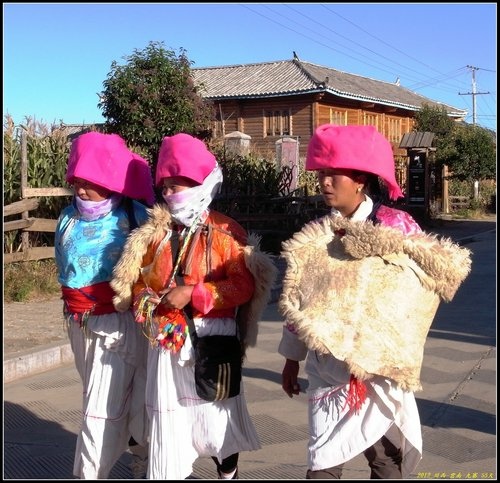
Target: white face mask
[
  {"x": 186, "y": 205},
  {"x": 92, "y": 210}
]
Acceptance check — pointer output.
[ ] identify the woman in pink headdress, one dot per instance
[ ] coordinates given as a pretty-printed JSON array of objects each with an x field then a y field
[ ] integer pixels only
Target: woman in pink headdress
[
  {"x": 361, "y": 289},
  {"x": 222, "y": 272},
  {"x": 109, "y": 350}
]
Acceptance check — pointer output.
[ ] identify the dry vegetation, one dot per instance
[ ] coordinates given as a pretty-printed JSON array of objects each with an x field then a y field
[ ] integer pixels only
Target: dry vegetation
[{"x": 30, "y": 281}]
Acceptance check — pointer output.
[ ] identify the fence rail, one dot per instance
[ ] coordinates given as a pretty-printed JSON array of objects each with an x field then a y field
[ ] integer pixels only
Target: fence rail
[
  {"x": 458, "y": 202},
  {"x": 29, "y": 224}
]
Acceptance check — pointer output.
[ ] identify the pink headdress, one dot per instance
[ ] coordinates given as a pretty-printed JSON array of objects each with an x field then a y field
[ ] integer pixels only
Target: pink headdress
[
  {"x": 184, "y": 155},
  {"x": 361, "y": 148},
  {"x": 105, "y": 160}
]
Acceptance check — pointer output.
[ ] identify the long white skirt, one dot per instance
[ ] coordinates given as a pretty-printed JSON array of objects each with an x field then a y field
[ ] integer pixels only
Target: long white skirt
[
  {"x": 183, "y": 426},
  {"x": 110, "y": 356},
  {"x": 337, "y": 434}
]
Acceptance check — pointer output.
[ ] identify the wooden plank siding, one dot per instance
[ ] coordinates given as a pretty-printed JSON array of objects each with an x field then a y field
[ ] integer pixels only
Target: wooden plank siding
[
  {"x": 251, "y": 114},
  {"x": 306, "y": 113}
]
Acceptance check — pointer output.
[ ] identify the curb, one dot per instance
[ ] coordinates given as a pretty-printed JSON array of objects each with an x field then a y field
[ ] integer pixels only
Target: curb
[{"x": 29, "y": 364}]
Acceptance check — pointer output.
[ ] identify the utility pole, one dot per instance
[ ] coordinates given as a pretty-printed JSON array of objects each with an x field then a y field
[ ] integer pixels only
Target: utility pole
[{"x": 473, "y": 93}]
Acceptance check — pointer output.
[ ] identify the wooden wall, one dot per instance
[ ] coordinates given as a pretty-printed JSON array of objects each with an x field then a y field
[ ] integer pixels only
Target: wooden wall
[{"x": 307, "y": 112}]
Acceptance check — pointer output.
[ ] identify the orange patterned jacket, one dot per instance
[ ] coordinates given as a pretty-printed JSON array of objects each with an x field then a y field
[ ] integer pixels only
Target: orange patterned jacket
[{"x": 213, "y": 262}]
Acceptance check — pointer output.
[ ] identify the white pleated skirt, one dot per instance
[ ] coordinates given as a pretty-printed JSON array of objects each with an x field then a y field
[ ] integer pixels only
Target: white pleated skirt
[
  {"x": 184, "y": 427},
  {"x": 337, "y": 434},
  {"x": 110, "y": 356}
]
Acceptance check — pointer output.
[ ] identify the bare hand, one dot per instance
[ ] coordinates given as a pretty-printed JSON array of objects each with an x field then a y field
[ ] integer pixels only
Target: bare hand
[
  {"x": 177, "y": 297},
  {"x": 289, "y": 378}
]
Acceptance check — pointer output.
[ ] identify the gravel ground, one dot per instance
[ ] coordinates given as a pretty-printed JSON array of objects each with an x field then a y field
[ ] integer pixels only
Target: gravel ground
[{"x": 31, "y": 325}]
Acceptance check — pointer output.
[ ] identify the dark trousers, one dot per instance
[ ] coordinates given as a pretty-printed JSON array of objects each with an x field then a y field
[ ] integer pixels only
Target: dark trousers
[{"x": 383, "y": 458}]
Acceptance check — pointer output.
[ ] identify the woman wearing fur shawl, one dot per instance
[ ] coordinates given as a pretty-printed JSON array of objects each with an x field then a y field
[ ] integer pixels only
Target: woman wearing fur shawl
[
  {"x": 360, "y": 291},
  {"x": 227, "y": 283}
]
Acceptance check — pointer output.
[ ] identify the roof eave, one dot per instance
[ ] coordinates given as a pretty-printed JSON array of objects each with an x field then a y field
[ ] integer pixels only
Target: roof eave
[
  {"x": 320, "y": 90},
  {"x": 385, "y": 102},
  {"x": 264, "y": 95}
]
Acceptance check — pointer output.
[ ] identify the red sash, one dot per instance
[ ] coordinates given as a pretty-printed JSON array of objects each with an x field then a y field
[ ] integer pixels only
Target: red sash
[{"x": 97, "y": 299}]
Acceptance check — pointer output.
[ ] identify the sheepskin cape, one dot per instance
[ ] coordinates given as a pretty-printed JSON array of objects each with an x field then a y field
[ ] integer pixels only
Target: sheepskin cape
[
  {"x": 259, "y": 263},
  {"x": 368, "y": 293}
]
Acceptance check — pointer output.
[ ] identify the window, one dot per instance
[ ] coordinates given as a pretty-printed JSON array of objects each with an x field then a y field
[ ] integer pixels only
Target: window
[
  {"x": 277, "y": 123},
  {"x": 338, "y": 117}
]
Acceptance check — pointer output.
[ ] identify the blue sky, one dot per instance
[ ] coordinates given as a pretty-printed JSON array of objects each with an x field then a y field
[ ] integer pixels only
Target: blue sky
[{"x": 56, "y": 56}]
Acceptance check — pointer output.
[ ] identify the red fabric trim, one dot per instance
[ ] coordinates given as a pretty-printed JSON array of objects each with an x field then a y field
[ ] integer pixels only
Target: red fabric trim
[{"x": 97, "y": 298}]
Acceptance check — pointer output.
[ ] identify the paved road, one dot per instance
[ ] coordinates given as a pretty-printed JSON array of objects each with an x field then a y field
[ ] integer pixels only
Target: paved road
[{"x": 457, "y": 405}]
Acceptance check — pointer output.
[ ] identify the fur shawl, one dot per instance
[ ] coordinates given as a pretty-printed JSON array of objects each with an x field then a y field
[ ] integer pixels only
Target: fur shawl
[
  {"x": 127, "y": 271},
  {"x": 368, "y": 293}
]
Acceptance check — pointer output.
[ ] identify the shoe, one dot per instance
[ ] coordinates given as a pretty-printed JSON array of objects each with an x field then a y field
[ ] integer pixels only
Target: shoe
[
  {"x": 139, "y": 464},
  {"x": 139, "y": 467},
  {"x": 234, "y": 477}
]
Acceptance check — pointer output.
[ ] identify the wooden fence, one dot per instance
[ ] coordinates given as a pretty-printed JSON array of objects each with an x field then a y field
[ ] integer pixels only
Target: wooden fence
[
  {"x": 274, "y": 218},
  {"x": 29, "y": 224},
  {"x": 458, "y": 202},
  {"x": 29, "y": 202}
]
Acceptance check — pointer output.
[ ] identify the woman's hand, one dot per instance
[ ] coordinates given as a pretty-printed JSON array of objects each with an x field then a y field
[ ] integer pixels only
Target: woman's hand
[
  {"x": 289, "y": 378},
  {"x": 176, "y": 297}
]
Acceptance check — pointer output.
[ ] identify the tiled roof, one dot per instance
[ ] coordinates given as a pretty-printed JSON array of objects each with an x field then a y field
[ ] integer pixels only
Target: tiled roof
[
  {"x": 288, "y": 77},
  {"x": 253, "y": 80}
]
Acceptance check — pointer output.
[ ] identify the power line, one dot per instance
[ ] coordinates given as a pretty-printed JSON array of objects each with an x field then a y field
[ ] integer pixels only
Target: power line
[{"x": 440, "y": 81}]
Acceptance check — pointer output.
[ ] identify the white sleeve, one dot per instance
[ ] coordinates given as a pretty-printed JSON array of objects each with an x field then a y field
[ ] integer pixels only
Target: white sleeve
[{"x": 291, "y": 347}]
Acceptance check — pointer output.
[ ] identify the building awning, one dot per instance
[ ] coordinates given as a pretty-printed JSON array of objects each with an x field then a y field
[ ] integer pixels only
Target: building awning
[{"x": 417, "y": 140}]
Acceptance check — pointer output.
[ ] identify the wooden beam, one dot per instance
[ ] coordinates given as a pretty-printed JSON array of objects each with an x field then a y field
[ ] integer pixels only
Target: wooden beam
[
  {"x": 46, "y": 225},
  {"x": 20, "y": 206},
  {"x": 38, "y": 253},
  {"x": 31, "y": 192},
  {"x": 18, "y": 224}
]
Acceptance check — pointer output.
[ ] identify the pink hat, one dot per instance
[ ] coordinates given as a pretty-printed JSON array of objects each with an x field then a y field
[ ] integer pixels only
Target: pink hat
[
  {"x": 184, "y": 155},
  {"x": 361, "y": 148},
  {"x": 105, "y": 160}
]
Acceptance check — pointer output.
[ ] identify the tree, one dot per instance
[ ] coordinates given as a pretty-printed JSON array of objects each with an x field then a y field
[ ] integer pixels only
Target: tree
[
  {"x": 433, "y": 119},
  {"x": 471, "y": 153},
  {"x": 152, "y": 96},
  {"x": 468, "y": 151}
]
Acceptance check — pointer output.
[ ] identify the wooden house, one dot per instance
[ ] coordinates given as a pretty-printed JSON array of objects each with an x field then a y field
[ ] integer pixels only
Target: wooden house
[{"x": 288, "y": 99}]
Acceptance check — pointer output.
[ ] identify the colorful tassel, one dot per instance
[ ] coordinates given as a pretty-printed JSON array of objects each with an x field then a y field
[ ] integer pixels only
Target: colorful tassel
[
  {"x": 172, "y": 328},
  {"x": 143, "y": 309},
  {"x": 173, "y": 331},
  {"x": 356, "y": 395}
]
